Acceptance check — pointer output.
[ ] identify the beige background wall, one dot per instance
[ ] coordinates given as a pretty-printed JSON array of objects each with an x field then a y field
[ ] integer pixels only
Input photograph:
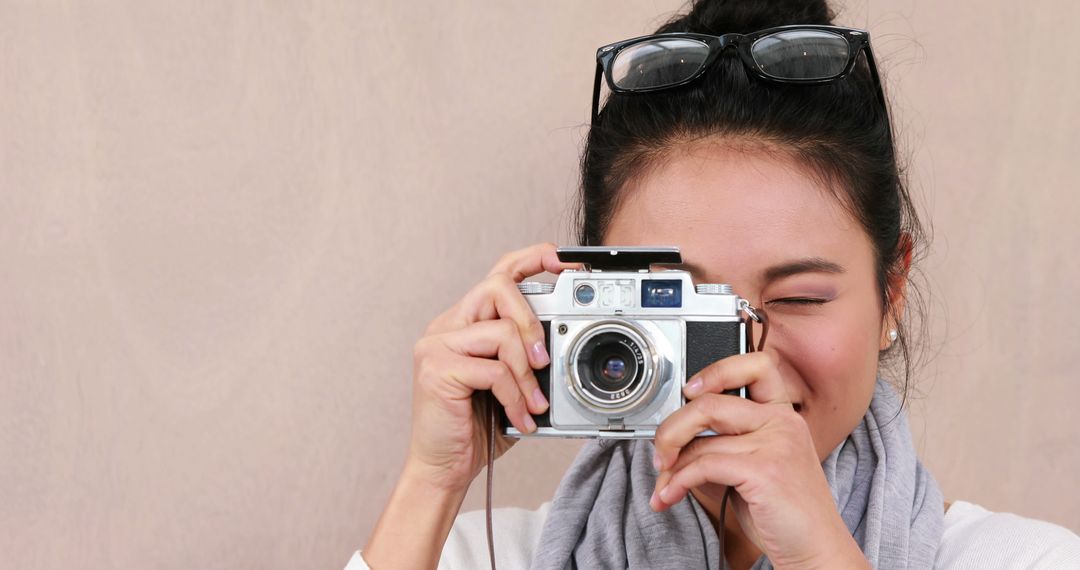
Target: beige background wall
[{"x": 224, "y": 224}]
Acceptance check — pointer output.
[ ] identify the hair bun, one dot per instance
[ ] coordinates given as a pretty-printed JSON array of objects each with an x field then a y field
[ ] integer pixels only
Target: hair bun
[{"x": 743, "y": 16}]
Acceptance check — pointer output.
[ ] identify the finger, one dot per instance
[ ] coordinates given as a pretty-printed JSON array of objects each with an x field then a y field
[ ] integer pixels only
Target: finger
[
  {"x": 472, "y": 374},
  {"x": 661, "y": 481},
  {"x": 498, "y": 296},
  {"x": 516, "y": 265},
  {"x": 745, "y": 443},
  {"x": 703, "y": 446},
  {"x": 499, "y": 339},
  {"x": 446, "y": 321},
  {"x": 723, "y": 413},
  {"x": 530, "y": 261},
  {"x": 730, "y": 469},
  {"x": 757, "y": 371},
  {"x": 727, "y": 445}
]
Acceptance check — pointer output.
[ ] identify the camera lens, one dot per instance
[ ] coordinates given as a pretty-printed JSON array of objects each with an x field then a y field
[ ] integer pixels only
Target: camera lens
[
  {"x": 612, "y": 370},
  {"x": 609, "y": 364}
]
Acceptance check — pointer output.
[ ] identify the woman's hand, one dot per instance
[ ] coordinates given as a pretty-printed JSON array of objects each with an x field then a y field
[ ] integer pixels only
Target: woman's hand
[
  {"x": 489, "y": 340},
  {"x": 764, "y": 450}
]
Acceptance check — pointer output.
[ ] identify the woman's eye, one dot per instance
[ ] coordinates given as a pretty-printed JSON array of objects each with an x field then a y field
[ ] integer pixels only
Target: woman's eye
[{"x": 799, "y": 301}]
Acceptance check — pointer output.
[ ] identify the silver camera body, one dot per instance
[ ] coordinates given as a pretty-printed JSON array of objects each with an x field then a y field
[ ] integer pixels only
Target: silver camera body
[{"x": 624, "y": 338}]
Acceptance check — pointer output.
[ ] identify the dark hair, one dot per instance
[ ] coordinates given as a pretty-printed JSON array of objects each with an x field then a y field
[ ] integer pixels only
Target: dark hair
[{"x": 838, "y": 130}]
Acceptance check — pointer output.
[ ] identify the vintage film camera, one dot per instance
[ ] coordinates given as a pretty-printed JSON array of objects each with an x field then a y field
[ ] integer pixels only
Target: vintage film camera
[{"x": 624, "y": 338}]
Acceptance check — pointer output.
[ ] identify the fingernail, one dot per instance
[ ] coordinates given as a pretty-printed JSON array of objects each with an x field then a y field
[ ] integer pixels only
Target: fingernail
[
  {"x": 656, "y": 460},
  {"x": 540, "y": 354},
  {"x": 530, "y": 425},
  {"x": 652, "y": 499},
  {"x": 694, "y": 387},
  {"x": 539, "y": 400},
  {"x": 665, "y": 494}
]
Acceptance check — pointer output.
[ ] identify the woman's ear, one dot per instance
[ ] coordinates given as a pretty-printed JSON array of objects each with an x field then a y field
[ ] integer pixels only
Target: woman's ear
[{"x": 897, "y": 289}]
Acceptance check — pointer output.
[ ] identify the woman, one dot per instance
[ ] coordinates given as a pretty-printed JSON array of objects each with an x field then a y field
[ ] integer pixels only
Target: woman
[{"x": 791, "y": 193}]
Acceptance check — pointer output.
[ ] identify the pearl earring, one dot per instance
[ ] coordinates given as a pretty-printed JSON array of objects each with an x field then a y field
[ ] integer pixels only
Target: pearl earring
[{"x": 893, "y": 335}]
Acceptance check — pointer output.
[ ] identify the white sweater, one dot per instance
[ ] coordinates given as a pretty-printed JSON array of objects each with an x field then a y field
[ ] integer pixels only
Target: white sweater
[{"x": 974, "y": 538}]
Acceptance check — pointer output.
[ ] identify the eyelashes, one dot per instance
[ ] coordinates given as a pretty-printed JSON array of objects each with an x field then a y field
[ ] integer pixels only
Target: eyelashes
[{"x": 798, "y": 301}]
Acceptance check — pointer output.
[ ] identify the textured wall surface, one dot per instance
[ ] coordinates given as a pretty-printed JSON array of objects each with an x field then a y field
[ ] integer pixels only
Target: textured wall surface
[{"x": 223, "y": 225}]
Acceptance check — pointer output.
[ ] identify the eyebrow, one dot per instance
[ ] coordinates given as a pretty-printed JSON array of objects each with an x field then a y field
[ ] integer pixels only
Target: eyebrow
[
  {"x": 808, "y": 265},
  {"x": 782, "y": 270}
]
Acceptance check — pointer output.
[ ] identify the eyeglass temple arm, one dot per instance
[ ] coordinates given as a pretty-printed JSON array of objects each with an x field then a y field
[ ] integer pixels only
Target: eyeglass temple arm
[
  {"x": 596, "y": 92},
  {"x": 870, "y": 60}
]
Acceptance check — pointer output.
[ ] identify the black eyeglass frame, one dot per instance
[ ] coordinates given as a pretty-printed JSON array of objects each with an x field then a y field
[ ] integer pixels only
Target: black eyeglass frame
[{"x": 858, "y": 40}]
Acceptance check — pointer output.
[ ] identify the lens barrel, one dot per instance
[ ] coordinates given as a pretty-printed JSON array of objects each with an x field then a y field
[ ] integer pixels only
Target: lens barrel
[{"x": 612, "y": 368}]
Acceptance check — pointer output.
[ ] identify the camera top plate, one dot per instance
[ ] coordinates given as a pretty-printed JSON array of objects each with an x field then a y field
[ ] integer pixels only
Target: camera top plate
[{"x": 624, "y": 258}]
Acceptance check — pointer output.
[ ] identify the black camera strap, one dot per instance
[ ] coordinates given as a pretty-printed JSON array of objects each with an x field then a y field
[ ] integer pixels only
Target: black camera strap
[
  {"x": 758, "y": 316},
  {"x": 492, "y": 423}
]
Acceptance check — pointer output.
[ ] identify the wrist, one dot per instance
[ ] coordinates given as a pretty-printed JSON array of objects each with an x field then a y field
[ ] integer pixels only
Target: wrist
[
  {"x": 417, "y": 519},
  {"x": 845, "y": 554},
  {"x": 838, "y": 550},
  {"x": 439, "y": 479}
]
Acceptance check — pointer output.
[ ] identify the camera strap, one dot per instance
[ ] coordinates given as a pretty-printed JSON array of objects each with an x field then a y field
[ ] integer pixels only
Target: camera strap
[
  {"x": 758, "y": 316},
  {"x": 492, "y": 423}
]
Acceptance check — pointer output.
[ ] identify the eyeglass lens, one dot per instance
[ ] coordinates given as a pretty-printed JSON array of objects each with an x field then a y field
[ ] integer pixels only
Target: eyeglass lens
[
  {"x": 801, "y": 54},
  {"x": 793, "y": 54},
  {"x": 658, "y": 62}
]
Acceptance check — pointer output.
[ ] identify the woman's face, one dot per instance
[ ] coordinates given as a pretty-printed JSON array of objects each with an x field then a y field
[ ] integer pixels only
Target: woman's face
[{"x": 758, "y": 221}]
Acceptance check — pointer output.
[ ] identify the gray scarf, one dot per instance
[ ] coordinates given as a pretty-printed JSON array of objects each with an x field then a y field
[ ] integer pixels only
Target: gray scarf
[{"x": 600, "y": 516}]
